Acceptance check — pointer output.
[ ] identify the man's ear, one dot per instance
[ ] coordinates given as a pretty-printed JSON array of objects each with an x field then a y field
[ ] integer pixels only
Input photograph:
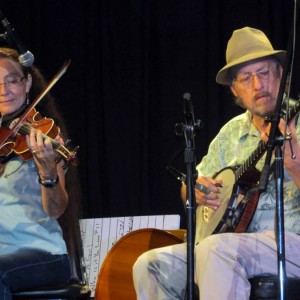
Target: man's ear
[{"x": 233, "y": 90}]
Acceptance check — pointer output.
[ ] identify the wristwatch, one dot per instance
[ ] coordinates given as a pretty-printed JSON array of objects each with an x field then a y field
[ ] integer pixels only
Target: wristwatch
[{"x": 49, "y": 182}]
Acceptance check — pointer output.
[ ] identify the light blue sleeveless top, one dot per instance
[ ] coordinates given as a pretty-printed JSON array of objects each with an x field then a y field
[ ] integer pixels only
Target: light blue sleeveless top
[{"x": 23, "y": 221}]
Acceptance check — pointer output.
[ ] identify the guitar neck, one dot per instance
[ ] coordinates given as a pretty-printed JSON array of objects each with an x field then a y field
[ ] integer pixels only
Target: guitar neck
[{"x": 251, "y": 161}]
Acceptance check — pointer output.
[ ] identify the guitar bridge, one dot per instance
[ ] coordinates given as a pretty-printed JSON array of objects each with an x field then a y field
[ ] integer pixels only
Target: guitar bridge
[{"x": 205, "y": 215}]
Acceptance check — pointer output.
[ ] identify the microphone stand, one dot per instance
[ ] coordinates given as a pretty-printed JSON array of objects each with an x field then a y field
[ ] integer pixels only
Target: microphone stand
[
  {"x": 275, "y": 141},
  {"x": 188, "y": 130}
]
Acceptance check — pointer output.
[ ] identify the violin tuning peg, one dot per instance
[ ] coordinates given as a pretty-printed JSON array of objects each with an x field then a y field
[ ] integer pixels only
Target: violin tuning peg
[
  {"x": 73, "y": 159},
  {"x": 67, "y": 142}
]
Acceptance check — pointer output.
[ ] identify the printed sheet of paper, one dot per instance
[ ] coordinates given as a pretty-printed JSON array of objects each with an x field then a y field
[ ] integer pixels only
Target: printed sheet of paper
[{"x": 99, "y": 235}]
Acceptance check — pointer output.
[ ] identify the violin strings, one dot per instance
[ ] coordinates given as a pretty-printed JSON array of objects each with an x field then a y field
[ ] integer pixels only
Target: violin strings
[
  {"x": 60, "y": 148},
  {"x": 25, "y": 129}
]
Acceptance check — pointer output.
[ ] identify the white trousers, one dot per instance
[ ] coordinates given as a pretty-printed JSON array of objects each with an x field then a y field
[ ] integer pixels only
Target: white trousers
[{"x": 223, "y": 264}]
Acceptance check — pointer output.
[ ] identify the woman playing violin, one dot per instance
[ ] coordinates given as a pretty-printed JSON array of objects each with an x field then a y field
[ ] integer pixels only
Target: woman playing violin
[{"x": 33, "y": 195}]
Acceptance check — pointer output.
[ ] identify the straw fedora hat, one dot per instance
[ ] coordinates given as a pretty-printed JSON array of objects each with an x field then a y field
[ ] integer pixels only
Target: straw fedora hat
[{"x": 247, "y": 44}]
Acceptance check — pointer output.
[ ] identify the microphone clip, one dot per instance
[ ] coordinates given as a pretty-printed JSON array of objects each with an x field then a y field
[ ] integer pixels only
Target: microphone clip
[
  {"x": 191, "y": 125},
  {"x": 180, "y": 128}
]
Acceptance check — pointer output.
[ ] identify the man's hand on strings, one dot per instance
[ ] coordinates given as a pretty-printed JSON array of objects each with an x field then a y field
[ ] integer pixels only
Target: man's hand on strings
[
  {"x": 291, "y": 144},
  {"x": 291, "y": 149}
]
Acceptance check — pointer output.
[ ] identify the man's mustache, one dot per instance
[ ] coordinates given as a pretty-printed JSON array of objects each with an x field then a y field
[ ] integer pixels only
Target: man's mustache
[{"x": 262, "y": 94}]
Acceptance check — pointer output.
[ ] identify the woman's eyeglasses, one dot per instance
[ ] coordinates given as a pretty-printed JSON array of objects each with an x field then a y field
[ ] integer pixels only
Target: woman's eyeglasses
[{"x": 13, "y": 83}]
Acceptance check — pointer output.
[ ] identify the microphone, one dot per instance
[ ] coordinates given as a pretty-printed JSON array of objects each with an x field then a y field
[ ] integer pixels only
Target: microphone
[
  {"x": 182, "y": 177},
  {"x": 26, "y": 58},
  {"x": 188, "y": 109}
]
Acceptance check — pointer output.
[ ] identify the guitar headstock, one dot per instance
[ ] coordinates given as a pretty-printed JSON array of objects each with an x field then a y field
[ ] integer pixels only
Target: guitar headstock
[{"x": 290, "y": 108}]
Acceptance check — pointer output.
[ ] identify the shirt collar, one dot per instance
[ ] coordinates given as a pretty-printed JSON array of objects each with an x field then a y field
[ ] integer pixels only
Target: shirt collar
[{"x": 248, "y": 127}]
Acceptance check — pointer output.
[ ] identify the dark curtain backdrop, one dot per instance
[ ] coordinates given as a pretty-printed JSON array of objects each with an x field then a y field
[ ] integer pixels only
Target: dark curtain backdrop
[{"x": 131, "y": 62}]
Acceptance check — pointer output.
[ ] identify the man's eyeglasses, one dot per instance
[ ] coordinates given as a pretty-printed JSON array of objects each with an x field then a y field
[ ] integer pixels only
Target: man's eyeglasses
[
  {"x": 13, "y": 83},
  {"x": 246, "y": 79}
]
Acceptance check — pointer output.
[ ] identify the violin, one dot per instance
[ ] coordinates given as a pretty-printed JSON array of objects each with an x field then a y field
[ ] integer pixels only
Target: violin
[{"x": 13, "y": 140}]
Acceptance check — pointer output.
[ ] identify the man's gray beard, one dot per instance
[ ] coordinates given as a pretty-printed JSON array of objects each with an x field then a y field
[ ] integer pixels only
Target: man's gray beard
[{"x": 239, "y": 102}]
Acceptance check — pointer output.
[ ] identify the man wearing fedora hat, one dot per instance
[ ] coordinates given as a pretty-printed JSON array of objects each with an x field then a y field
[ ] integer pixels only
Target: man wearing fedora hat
[{"x": 224, "y": 262}]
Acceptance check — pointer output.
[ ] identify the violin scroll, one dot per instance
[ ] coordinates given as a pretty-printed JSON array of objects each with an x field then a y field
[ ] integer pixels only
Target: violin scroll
[{"x": 68, "y": 156}]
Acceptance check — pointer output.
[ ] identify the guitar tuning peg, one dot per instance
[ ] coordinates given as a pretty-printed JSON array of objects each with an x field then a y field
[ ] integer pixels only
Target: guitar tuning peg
[{"x": 289, "y": 139}]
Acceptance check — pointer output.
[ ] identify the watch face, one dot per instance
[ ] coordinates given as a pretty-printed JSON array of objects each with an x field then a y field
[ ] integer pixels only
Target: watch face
[{"x": 48, "y": 182}]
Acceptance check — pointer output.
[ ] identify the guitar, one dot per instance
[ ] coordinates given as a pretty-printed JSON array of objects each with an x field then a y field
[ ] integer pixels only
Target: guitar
[
  {"x": 239, "y": 194},
  {"x": 115, "y": 279}
]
